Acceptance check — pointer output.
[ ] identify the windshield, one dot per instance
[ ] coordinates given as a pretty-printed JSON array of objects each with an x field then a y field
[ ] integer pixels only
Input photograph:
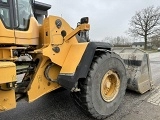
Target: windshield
[{"x": 24, "y": 13}]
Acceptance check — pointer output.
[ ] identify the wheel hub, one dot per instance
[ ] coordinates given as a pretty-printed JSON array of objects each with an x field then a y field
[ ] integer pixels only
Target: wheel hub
[{"x": 110, "y": 86}]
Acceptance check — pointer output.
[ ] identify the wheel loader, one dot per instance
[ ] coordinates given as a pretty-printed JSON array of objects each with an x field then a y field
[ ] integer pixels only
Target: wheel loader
[{"x": 95, "y": 73}]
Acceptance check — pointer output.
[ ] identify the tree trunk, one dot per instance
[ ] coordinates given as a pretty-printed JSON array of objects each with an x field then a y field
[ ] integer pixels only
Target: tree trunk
[{"x": 145, "y": 44}]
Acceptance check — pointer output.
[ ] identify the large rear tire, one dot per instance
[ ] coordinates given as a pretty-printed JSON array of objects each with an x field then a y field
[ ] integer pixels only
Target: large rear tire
[{"x": 103, "y": 90}]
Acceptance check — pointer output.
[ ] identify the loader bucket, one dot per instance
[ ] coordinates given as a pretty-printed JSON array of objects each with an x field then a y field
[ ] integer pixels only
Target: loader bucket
[{"x": 138, "y": 68}]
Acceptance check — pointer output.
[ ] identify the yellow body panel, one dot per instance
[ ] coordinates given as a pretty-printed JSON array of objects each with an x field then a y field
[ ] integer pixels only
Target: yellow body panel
[
  {"x": 29, "y": 37},
  {"x": 73, "y": 58},
  {"x": 8, "y": 75},
  {"x": 51, "y": 37},
  {"x": 40, "y": 85},
  {"x": 8, "y": 72},
  {"x": 55, "y": 39},
  {"x": 47, "y": 38},
  {"x": 66, "y": 59},
  {"x": 7, "y": 100},
  {"x": 5, "y": 54},
  {"x": 6, "y": 35}
]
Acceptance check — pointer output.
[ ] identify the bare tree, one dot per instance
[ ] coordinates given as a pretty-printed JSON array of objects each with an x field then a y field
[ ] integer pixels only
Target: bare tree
[{"x": 145, "y": 23}]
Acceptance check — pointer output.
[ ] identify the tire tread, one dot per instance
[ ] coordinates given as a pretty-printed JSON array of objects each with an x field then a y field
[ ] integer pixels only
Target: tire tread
[{"x": 83, "y": 98}]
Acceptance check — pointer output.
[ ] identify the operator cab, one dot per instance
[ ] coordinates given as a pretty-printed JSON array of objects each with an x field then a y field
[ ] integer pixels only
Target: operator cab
[
  {"x": 20, "y": 11},
  {"x": 15, "y": 14},
  {"x": 18, "y": 21}
]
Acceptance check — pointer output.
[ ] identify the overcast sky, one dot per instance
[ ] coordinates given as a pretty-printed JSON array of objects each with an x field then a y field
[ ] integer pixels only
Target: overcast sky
[{"x": 108, "y": 18}]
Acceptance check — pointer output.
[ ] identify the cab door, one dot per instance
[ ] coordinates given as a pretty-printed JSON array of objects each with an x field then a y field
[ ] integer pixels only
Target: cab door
[
  {"x": 27, "y": 30},
  {"x": 6, "y": 22}
]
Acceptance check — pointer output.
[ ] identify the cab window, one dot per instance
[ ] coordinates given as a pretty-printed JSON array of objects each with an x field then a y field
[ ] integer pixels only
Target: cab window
[
  {"x": 24, "y": 13},
  {"x": 5, "y": 13}
]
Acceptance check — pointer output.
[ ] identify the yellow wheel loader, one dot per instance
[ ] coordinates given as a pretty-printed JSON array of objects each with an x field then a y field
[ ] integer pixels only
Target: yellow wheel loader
[{"x": 59, "y": 56}]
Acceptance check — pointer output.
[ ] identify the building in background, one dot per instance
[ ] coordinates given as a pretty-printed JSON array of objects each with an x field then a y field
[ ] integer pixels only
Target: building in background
[{"x": 141, "y": 45}]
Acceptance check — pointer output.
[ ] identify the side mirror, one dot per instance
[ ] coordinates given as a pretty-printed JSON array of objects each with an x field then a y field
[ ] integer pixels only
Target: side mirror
[{"x": 84, "y": 20}]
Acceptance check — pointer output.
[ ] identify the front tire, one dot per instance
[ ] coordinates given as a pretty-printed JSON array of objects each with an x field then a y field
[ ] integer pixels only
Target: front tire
[{"x": 104, "y": 88}]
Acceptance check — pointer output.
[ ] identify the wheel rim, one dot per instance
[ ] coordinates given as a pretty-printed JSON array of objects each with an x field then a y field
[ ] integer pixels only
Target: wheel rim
[{"x": 110, "y": 86}]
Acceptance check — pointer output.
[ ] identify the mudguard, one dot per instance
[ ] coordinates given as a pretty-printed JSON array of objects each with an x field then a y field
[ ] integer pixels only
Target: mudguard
[{"x": 70, "y": 81}]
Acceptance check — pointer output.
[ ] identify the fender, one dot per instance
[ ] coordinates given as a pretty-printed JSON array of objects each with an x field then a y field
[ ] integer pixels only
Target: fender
[{"x": 70, "y": 81}]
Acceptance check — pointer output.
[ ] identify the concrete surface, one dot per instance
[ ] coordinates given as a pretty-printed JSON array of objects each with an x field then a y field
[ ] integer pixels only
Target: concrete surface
[{"x": 59, "y": 106}]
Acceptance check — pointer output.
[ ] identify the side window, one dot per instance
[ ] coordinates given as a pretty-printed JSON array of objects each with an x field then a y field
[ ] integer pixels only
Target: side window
[
  {"x": 4, "y": 13},
  {"x": 24, "y": 13}
]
